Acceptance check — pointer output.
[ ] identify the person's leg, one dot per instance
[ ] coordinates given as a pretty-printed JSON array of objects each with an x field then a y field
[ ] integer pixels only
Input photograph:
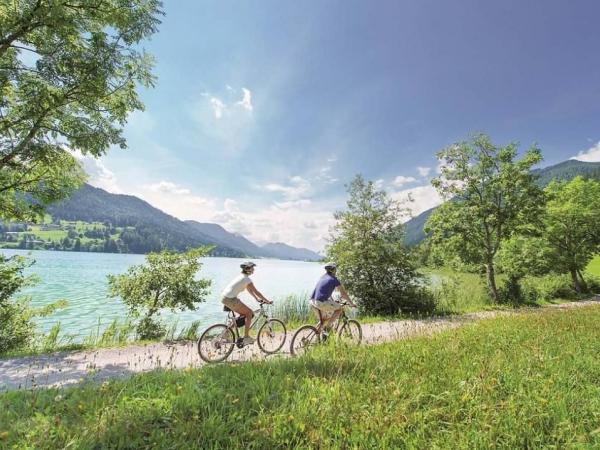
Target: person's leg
[
  {"x": 331, "y": 320},
  {"x": 242, "y": 310},
  {"x": 319, "y": 316}
]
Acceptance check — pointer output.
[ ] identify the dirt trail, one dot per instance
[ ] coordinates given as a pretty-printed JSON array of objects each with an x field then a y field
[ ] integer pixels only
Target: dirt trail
[{"x": 67, "y": 368}]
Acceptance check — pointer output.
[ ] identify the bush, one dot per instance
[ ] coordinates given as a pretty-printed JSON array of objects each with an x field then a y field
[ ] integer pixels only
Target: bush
[
  {"x": 367, "y": 243},
  {"x": 166, "y": 281},
  {"x": 548, "y": 287},
  {"x": 16, "y": 328}
]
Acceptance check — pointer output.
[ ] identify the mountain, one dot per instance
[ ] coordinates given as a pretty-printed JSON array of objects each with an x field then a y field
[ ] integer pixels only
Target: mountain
[
  {"x": 152, "y": 229},
  {"x": 284, "y": 251},
  {"x": 568, "y": 170},
  {"x": 224, "y": 237},
  {"x": 563, "y": 171},
  {"x": 145, "y": 228},
  {"x": 240, "y": 243}
]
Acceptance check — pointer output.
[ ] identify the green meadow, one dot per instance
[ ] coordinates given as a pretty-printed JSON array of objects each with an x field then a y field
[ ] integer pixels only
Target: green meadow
[{"x": 525, "y": 381}]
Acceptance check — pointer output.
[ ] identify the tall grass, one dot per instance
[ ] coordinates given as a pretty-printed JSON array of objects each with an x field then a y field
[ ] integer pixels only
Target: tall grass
[
  {"x": 527, "y": 381},
  {"x": 293, "y": 309}
]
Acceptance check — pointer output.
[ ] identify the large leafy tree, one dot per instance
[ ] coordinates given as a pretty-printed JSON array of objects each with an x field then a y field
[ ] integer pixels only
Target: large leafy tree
[
  {"x": 572, "y": 226},
  {"x": 367, "y": 244},
  {"x": 492, "y": 195},
  {"x": 69, "y": 70},
  {"x": 167, "y": 281}
]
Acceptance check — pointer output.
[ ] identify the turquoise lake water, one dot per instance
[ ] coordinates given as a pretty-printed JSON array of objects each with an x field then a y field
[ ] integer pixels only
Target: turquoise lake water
[{"x": 80, "y": 278}]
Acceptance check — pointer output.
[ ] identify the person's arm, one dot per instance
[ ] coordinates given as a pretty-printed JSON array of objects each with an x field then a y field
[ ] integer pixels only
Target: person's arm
[
  {"x": 345, "y": 295},
  {"x": 256, "y": 294}
]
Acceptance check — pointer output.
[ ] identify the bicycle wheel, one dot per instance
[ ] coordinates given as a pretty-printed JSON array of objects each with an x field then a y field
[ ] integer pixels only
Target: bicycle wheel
[
  {"x": 304, "y": 338},
  {"x": 271, "y": 336},
  {"x": 216, "y": 343},
  {"x": 351, "y": 332}
]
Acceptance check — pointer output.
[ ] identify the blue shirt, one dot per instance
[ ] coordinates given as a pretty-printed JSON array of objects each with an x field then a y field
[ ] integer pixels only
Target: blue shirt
[{"x": 325, "y": 287}]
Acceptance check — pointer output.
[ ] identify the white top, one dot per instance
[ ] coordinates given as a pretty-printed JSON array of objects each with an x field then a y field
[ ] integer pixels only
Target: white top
[{"x": 238, "y": 284}]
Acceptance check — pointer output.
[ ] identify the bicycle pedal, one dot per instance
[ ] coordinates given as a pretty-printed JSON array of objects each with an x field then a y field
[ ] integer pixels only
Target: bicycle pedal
[{"x": 239, "y": 343}]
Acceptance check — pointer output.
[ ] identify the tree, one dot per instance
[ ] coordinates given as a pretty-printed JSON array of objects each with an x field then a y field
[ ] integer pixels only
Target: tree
[
  {"x": 518, "y": 257},
  {"x": 572, "y": 227},
  {"x": 492, "y": 195},
  {"x": 69, "y": 70},
  {"x": 167, "y": 280},
  {"x": 367, "y": 243}
]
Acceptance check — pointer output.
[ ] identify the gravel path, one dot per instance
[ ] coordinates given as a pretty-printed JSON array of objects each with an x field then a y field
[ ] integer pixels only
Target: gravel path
[{"x": 67, "y": 368}]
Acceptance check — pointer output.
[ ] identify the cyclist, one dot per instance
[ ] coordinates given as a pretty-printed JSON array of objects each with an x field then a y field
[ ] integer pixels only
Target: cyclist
[
  {"x": 321, "y": 297},
  {"x": 230, "y": 297}
]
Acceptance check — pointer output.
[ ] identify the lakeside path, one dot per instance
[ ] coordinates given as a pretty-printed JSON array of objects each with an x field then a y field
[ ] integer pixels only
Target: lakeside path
[{"x": 69, "y": 368}]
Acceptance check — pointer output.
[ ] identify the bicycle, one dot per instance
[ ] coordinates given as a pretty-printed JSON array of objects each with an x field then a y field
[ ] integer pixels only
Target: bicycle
[
  {"x": 218, "y": 341},
  {"x": 307, "y": 336}
]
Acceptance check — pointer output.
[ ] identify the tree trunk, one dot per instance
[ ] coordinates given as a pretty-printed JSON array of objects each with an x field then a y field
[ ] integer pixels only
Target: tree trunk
[
  {"x": 576, "y": 283},
  {"x": 582, "y": 281},
  {"x": 491, "y": 281}
]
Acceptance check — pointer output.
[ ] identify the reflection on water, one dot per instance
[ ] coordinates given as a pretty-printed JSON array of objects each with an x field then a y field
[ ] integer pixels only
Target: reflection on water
[{"x": 80, "y": 278}]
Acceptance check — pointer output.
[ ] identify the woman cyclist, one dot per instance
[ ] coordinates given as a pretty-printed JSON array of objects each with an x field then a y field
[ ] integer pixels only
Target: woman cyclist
[{"x": 236, "y": 287}]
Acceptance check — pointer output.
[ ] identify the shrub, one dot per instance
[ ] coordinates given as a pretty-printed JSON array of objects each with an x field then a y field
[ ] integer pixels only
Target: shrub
[
  {"x": 547, "y": 287},
  {"x": 367, "y": 242},
  {"x": 16, "y": 328},
  {"x": 167, "y": 280}
]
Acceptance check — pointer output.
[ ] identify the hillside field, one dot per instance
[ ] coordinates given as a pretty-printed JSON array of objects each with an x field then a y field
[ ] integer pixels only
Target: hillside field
[{"x": 525, "y": 381}]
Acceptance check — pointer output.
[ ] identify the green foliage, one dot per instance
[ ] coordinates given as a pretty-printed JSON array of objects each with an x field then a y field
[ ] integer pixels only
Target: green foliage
[
  {"x": 547, "y": 288},
  {"x": 16, "y": 328},
  {"x": 69, "y": 76},
  {"x": 518, "y": 257},
  {"x": 373, "y": 264},
  {"x": 571, "y": 227},
  {"x": 492, "y": 195},
  {"x": 167, "y": 280},
  {"x": 525, "y": 381}
]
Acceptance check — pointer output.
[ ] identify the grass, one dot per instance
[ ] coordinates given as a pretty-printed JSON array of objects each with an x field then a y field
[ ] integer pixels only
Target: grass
[
  {"x": 594, "y": 267},
  {"x": 527, "y": 381}
]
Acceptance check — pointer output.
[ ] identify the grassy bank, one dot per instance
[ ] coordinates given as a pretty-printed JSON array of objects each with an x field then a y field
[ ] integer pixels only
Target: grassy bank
[
  {"x": 526, "y": 381},
  {"x": 594, "y": 267}
]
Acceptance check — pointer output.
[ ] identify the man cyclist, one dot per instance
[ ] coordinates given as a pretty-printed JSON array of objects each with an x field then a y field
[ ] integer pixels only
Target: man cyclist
[
  {"x": 321, "y": 297},
  {"x": 230, "y": 297}
]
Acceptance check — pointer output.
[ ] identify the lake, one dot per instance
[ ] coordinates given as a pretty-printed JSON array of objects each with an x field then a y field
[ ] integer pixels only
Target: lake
[{"x": 80, "y": 278}]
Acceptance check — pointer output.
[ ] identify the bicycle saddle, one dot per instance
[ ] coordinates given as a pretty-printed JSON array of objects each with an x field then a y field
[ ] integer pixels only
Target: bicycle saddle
[{"x": 226, "y": 309}]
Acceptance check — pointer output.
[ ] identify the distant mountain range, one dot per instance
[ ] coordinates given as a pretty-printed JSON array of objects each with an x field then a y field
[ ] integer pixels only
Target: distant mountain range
[
  {"x": 157, "y": 230},
  {"x": 566, "y": 170}
]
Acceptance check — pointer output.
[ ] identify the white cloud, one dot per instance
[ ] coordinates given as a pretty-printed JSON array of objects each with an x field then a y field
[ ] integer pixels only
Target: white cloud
[
  {"x": 418, "y": 199},
  {"x": 590, "y": 155},
  {"x": 223, "y": 120},
  {"x": 325, "y": 176},
  {"x": 177, "y": 200},
  {"x": 401, "y": 180},
  {"x": 246, "y": 101},
  {"x": 378, "y": 184},
  {"x": 297, "y": 188},
  {"x": 98, "y": 174},
  {"x": 424, "y": 171},
  {"x": 169, "y": 188},
  {"x": 218, "y": 107}
]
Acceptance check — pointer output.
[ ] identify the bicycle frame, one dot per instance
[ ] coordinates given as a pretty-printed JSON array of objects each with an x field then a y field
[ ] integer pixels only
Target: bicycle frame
[
  {"x": 340, "y": 320},
  {"x": 259, "y": 314}
]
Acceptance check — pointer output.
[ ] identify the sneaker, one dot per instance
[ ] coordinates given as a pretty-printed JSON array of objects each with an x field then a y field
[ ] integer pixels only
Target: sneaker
[{"x": 248, "y": 340}]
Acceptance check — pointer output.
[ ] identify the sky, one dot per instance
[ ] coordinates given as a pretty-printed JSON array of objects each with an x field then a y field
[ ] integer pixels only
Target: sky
[{"x": 263, "y": 111}]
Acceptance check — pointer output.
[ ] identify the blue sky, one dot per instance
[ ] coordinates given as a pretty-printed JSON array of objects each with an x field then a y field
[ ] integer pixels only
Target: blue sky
[{"x": 263, "y": 110}]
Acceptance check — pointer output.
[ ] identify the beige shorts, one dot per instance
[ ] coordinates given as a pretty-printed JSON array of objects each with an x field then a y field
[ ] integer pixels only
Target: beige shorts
[
  {"x": 232, "y": 302},
  {"x": 327, "y": 306}
]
